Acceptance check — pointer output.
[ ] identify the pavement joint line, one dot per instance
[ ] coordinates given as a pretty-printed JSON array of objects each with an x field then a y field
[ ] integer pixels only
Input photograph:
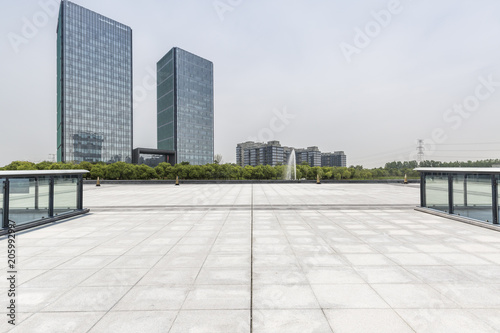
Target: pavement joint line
[
  {"x": 131, "y": 287},
  {"x": 251, "y": 262}
]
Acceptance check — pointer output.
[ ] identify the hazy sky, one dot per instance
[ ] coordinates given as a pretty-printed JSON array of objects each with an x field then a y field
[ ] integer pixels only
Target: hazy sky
[{"x": 368, "y": 77}]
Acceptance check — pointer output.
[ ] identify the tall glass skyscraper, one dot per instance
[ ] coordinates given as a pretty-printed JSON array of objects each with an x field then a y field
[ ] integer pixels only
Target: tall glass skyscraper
[
  {"x": 185, "y": 106},
  {"x": 94, "y": 87}
]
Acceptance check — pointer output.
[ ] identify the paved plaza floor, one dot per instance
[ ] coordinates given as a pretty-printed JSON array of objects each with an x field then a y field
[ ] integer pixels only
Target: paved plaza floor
[{"x": 256, "y": 258}]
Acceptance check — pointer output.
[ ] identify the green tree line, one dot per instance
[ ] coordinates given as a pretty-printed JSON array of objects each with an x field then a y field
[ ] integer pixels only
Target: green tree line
[{"x": 215, "y": 171}]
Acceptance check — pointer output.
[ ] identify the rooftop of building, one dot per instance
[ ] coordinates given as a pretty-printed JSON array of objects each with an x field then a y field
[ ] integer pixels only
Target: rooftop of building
[{"x": 298, "y": 257}]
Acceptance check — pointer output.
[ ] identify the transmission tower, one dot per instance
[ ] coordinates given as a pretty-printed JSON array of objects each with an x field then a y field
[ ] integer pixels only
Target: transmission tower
[{"x": 420, "y": 151}]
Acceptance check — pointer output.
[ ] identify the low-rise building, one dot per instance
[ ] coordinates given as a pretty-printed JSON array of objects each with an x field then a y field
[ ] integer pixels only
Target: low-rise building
[
  {"x": 272, "y": 153},
  {"x": 335, "y": 159}
]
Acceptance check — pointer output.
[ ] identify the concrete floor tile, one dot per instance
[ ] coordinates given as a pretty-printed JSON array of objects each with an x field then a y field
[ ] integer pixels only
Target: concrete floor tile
[
  {"x": 87, "y": 299},
  {"x": 36, "y": 299},
  {"x": 439, "y": 274},
  {"x": 114, "y": 277},
  {"x": 413, "y": 259},
  {"x": 332, "y": 275},
  {"x": 473, "y": 295},
  {"x": 283, "y": 297},
  {"x": 135, "y": 321},
  {"x": 366, "y": 320},
  {"x": 415, "y": 296},
  {"x": 59, "y": 322},
  {"x": 489, "y": 316},
  {"x": 134, "y": 262},
  {"x": 229, "y": 260},
  {"x": 290, "y": 321},
  {"x": 443, "y": 320},
  {"x": 148, "y": 298},
  {"x": 464, "y": 259},
  {"x": 214, "y": 275},
  {"x": 369, "y": 260},
  {"x": 59, "y": 278},
  {"x": 386, "y": 274},
  {"x": 87, "y": 262},
  {"x": 218, "y": 297},
  {"x": 209, "y": 321},
  {"x": 278, "y": 275},
  {"x": 169, "y": 276},
  {"x": 273, "y": 260},
  {"x": 348, "y": 296}
]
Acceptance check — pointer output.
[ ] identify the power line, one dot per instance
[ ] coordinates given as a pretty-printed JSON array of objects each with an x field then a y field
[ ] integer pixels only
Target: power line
[
  {"x": 498, "y": 150},
  {"x": 466, "y": 143}
]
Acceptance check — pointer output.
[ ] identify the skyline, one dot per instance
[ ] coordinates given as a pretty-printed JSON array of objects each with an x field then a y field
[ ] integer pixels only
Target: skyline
[{"x": 337, "y": 82}]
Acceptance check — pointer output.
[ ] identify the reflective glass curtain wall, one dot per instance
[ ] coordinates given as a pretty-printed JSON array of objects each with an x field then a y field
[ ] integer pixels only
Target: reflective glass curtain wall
[
  {"x": 185, "y": 106},
  {"x": 94, "y": 87}
]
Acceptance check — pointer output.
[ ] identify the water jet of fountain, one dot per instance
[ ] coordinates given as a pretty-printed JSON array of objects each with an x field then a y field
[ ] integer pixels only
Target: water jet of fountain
[{"x": 291, "y": 167}]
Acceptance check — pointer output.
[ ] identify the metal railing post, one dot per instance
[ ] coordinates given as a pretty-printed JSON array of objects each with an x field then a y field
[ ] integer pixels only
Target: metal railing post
[
  {"x": 494, "y": 198},
  {"x": 465, "y": 190},
  {"x": 5, "y": 214},
  {"x": 51, "y": 196},
  {"x": 450, "y": 193},
  {"x": 422, "y": 190},
  {"x": 79, "y": 193},
  {"x": 37, "y": 193}
]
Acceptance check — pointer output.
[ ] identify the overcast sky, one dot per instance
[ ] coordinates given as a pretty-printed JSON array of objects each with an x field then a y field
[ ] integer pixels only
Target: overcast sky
[{"x": 367, "y": 77}]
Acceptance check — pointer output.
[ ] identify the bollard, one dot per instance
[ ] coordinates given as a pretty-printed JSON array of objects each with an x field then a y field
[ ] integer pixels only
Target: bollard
[
  {"x": 176, "y": 180},
  {"x": 98, "y": 183},
  {"x": 406, "y": 180}
]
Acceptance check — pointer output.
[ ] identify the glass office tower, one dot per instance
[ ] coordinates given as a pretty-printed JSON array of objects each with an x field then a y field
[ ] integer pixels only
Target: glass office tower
[
  {"x": 94, "y": 87},
  {"x": 185, "y": 106}
]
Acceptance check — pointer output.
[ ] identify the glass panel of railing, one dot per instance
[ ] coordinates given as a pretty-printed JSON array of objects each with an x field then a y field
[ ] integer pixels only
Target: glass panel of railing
[
  {"x": 459, "y": 194},
  {"x": 65, "y": 194},
  {"x": 478, "y": 198},
  {"x": 28, "y": 199},
  {"x": 436, "y": 191},
  {"x": 2, "y": 183}
]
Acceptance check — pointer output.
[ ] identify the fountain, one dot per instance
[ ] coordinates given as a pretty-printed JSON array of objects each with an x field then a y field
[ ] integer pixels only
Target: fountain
[{"x": 291, "y": 168}]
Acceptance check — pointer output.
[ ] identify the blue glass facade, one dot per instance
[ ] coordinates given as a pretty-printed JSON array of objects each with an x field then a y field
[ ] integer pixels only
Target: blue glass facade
[
  {"x": 94, "y": 87},
  {"x": 185, "y": 106}
]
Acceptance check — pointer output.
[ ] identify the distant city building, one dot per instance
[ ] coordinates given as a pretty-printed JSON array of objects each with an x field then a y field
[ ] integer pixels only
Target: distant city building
[
  {"x": 252, "y": 153},
  {"x": 311, "y": 156},
  {"x": 339, "y": 159},
  {"x": 185, "y": 106},
  {"x": 272, "y": 153},
  {"x": 335, "y": 159},
  {"x": 94, "y": 87}
]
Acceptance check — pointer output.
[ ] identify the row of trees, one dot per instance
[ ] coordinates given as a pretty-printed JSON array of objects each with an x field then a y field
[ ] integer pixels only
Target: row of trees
[{"x": 126, "y": 171}]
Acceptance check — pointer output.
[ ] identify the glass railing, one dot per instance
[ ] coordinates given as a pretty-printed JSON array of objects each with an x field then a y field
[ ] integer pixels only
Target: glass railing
[
  {"x": 466, "y": 192},
  {"x": 33, "y": 197}
]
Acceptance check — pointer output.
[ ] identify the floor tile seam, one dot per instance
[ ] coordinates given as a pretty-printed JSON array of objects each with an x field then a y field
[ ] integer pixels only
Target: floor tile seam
[
  {"x": 197, "y": 274},
  {"x": 473, "y": 314},
  {"x": 23, "y": 320},
  {"x": 355, "y": 236},
  {"x": 211, "y": 247},
  {"x": 343, "y": 258},
  {"x": 92, "y": 248},
  {"x": 123, "y": 254},
  {"x": 134, "y": 285},
  {"x": 392, "y": 308},
  {"x": 433, "y": 286},
  {"x": 251, "y": 316},
  {"x": 353, "y": 268},
  {"x": 304, "y": 274}
]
